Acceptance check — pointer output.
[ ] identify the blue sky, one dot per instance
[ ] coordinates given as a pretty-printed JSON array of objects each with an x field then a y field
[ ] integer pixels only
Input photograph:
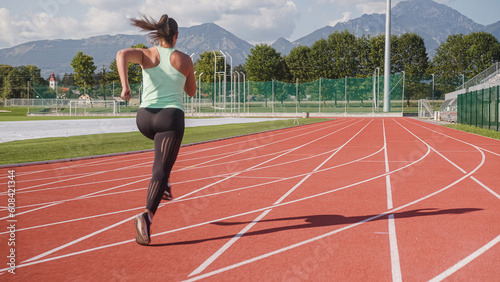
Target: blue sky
[{"x": 256, "y": 21}]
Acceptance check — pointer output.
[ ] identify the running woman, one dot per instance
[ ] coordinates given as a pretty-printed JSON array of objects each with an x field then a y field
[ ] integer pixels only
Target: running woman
[{"x": 167, "y": 74}]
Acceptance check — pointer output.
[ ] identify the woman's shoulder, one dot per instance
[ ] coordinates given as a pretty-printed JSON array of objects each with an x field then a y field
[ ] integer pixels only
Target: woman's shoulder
[
  {"x": 180, "y": 55},
  {"x": 182, "y": 62}
]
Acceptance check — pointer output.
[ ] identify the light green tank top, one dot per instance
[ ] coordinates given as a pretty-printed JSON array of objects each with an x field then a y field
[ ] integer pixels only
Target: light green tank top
[{"x": 163, "y": 85}]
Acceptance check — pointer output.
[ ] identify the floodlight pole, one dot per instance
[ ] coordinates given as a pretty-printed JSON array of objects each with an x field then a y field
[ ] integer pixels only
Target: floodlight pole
[
  {"x": 225, "y": 80},
  {"x": 433, "y": 88},
  {"x": 244, "y": 87},
  {"x": 239, "y": 92},
  {"x": 28, "y": 96},
  {"x": 215, "y": 82},
  {"x": 403, "y": 95},
  {"x": 199, "y": 93},
  {"x": 378, "y": 89},
  {"x": 387, "y": 68},
  {"x": 231, "y": 71}
]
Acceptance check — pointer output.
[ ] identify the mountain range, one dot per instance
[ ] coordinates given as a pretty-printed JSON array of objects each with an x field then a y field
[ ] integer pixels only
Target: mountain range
[{"x": 432, "y": 21}]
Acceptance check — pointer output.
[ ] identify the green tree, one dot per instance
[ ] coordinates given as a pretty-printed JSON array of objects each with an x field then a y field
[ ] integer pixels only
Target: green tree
[
  {"x": 15, "y": 80},
  {"x": 466, "y": 55},
  {"x": 14, "y": 86},
  {"x": 68, "y": 79},
  {"x": 483, "y": 50},
  {"x": 450, "y": 59},
  {"x": 364, "y": 60},
  {"x": 265, "y": 64},
  {"x": 321, "y": 59},
  {"x": 345, "y": 54},
  {"x": 413, "y": 59},
  {"x": 84, "y": 68},
  {"x": 300, "y": 64},
  {"x": 4, "y": 72}
]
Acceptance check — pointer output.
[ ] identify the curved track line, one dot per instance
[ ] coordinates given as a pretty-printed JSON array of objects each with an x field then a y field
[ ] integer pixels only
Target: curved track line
[
  {"x": 193, "y": 180},
  {"x": 76, "y": 198},
  {"x": 185, "y": 195},
  {"x": 466, "y": 260},
  {"x": 212, "y": 160},
  {"x": 196, "y": 197},
  {"x": 106, "y": 160},
  {"x": 233, "y": 240},
  {"x": 221, "y": 219},
  {"x": 335, "y": 231},
  {"x": 391, "y": 211}
]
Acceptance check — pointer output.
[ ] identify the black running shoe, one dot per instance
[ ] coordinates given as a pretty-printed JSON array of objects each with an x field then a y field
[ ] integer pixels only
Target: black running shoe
[
  {"x": 142, "y": 223},
  {"x": 167, "y": 195}
]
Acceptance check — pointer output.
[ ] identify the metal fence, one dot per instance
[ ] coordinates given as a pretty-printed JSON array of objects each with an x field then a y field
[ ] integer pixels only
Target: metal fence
[
  {"x": 480, "y": 108},
  {"x": 482, "y": 77},
  {"x": 250, "y": 98}
]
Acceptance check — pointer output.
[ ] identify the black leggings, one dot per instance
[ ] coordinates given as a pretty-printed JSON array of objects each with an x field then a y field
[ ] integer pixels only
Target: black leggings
[{"x": 166, "y": 128}]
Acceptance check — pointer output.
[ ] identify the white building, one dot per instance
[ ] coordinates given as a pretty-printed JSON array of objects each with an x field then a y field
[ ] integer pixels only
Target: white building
[{"x": 52, "y": 81}]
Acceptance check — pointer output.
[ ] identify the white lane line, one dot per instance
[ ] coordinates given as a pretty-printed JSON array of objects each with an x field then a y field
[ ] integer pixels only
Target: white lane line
[
  {"x": 483, "y": 159},
  {"x": 486, "y": 187},
  {"x": 269, "y": 160},
  {"x": 393, "y": 241},
  {"x": 83, "y": 176},
  {"x": 226, "y": 246},
  {"x": 149, "y": 162},
  {"x": 210, "y": 195},
  {"x": 393, "y": 244},
  {"x": 242, "y": 214},
  {"x": 183, "y": 196},
  {"x": 466, "y": 260},
  {"x": 78, "y": 240},
  {"x": 268, "y": 144},
  {"x": 79, "y": 185},
  {"x": 77, "y": 198},
  {"x": 106, "y": 161},
  {"x": 290, "y": 202},
  {"x": 230, "y": 267}
]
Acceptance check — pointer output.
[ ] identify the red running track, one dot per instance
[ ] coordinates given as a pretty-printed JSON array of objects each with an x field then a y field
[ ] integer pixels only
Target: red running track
[{"x": 350, "y": 199}]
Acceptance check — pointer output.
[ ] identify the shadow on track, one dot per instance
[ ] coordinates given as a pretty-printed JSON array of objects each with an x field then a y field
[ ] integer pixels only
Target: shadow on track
[{"x": 320, "y": 221}]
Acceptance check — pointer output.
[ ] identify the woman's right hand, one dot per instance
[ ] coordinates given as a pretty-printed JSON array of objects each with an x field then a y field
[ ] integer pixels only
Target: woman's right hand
[{"x": 126, "y": 94}]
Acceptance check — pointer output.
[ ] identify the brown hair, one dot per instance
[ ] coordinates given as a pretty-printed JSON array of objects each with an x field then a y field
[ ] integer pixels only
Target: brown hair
[{"x": 164, "y": 29}]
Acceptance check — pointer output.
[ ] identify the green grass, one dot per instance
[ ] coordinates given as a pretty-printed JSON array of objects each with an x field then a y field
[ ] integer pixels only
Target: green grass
[
  {"x": 476, "y": 130},
  {"x": 90, "y": 145}
]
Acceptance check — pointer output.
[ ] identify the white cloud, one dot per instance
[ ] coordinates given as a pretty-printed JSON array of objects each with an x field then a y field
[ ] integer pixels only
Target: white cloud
[
  {"x": 345, "y": 17},
  {"x": 7, "y": 28},
  {"x": 260, "y": 21}
]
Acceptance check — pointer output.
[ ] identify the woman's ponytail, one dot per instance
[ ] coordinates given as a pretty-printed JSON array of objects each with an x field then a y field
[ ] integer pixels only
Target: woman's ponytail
[{"x": 164, "y": 29}]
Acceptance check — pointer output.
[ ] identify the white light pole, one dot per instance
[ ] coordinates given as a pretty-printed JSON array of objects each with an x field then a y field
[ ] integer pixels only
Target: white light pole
[
  {"x": 244, "y": 87},
  {"x": 239, "y": 91},
  {"x": 199, "y": 93},
  {"x": 231, "y": 71},
  {"x": 378, "y": 88},
  {"x": 387, "y": 68},
  {"x": 225, "y": 80},
  {"x": 215, "y": 82},
  {"x": 433, "y": 88},
  {"x": 403, "y": 95}
]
